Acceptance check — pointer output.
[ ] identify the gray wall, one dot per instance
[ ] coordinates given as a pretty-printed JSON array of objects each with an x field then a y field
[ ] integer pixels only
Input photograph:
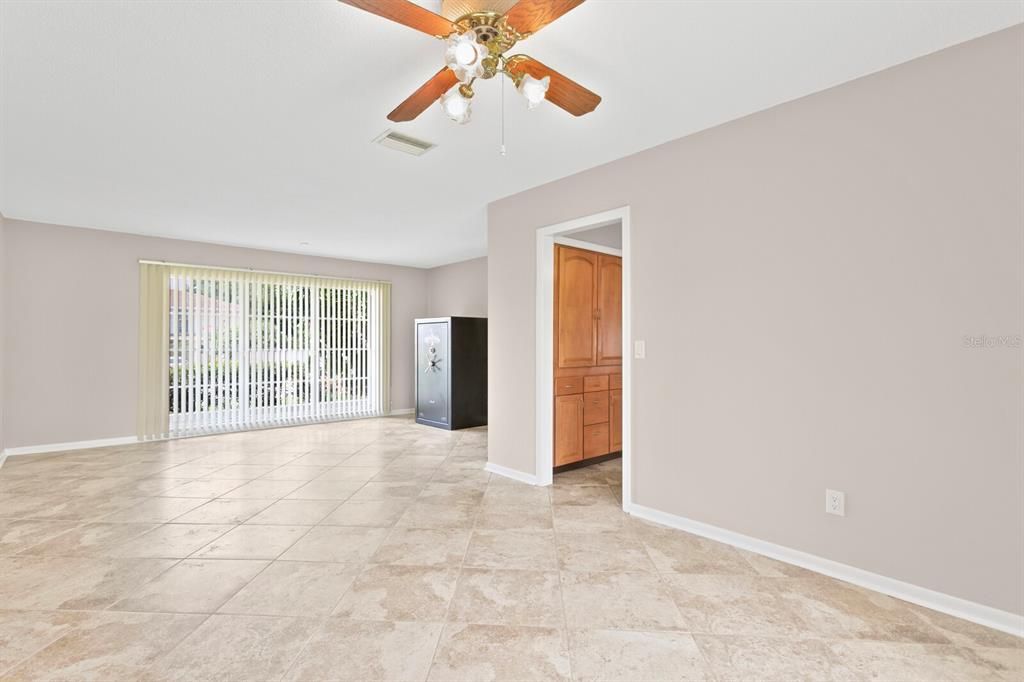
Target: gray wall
[
  {"x": 804, "y": 278},
  {"x": 458, "y": 289},
  {"x": 607, "y": 235},
  {"x": 72, "y": 323},
  {"x": 3, "y": 328}
]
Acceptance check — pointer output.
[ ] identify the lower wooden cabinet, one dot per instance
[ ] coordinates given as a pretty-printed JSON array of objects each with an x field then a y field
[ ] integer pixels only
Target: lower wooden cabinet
[
  {"x": 595, "y": 440},
  {"x": 568, "y": 429},
  {"x": 615, "y": 431},
  {"x": 595, "y": 408},
  {"x": 588, "y": 423}
]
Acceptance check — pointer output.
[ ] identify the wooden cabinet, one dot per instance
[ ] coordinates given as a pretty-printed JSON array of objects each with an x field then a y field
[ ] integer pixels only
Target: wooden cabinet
[
  {"x": 615, "y": 422},
  {"x": 568, "y": 429},
  {"x": 595, "y": 408},
  {"x": 568, "y": 385},
  {"x": 588, "y": 308},
  {"x": 575, "y": 307},
  {"x": 595, "y": 440},
  {"x": 588, "y": 353},
  {"x": 609, "y": 310}
]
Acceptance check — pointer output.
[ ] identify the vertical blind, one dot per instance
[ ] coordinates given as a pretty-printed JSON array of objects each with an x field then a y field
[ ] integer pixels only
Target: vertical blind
[{"x": 224, "y": 350}]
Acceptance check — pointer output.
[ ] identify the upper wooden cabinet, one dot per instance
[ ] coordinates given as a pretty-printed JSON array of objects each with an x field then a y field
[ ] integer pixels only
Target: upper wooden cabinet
[
  {"x": 575, "y": 307},
  {"x": 588, "y": 308},
  {"x": 609, "y": 310}
]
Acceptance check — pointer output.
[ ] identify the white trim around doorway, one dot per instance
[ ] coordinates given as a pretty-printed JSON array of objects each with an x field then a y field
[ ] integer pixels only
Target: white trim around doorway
[{"x": 545, "y": 401}]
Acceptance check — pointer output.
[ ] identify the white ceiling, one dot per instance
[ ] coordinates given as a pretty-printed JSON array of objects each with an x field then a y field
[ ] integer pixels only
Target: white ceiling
[{"x": 250, "y": 123}]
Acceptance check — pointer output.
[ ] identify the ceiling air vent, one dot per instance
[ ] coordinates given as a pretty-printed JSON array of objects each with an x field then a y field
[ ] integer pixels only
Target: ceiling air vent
[{"x": 404, "y": 143}]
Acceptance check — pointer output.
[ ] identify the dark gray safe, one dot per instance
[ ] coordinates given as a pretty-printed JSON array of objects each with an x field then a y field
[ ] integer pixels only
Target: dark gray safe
[{"x": 451, "y": 372}]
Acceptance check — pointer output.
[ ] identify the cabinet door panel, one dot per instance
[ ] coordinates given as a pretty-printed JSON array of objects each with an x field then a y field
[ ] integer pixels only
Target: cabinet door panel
[
  {"x": 609, "y": 307},
  {"x": 616, "y": 420},
  {"x": 595, "y": 440},
  {"x": 568, "y": 429},
  {"x": 595, "y": 408},
  {"x": 575, "y": 307}
]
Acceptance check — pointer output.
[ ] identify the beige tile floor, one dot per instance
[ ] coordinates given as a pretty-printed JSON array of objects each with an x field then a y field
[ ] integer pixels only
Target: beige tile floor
[{"x": 379, "y": 549}]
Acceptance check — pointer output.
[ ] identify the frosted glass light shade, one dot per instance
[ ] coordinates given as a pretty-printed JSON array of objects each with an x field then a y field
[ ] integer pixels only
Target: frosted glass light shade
[
  {"x": 456, "y": 106},
  {"x": 534, "y": 89},
  {"x": 465, "y": 56}
]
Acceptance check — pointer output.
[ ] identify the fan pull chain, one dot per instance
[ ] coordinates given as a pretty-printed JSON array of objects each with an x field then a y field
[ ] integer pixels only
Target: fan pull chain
[{"x": 501, "y": 117}]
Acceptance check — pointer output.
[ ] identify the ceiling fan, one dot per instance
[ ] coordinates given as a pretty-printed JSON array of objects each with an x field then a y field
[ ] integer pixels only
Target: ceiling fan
[{"x": 477, "y": 41}]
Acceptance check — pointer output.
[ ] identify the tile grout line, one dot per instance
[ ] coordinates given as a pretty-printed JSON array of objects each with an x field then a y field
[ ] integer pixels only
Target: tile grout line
[
  {"x": 455, "y": 591},
  {"x": 561, "y": 582}
]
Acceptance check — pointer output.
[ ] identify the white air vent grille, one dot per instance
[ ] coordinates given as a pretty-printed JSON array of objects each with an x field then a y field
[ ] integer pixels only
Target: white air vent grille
[{"x": 404, "y": 143}]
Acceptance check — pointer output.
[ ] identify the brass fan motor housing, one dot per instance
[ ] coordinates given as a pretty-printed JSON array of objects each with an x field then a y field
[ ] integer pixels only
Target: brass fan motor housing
[{"x": 493, "y": 33}]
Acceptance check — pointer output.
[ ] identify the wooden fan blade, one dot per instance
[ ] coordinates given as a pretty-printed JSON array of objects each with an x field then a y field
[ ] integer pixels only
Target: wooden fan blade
[
  {"x": 407, "y": 14},
  {"x": 530, "y": 16},
  {"x": 428, "y": 93},
  {"x": 562, "y": 92}
]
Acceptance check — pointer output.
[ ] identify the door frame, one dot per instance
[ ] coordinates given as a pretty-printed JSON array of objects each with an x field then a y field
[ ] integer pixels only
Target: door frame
[{"x": 545, "y": 397}]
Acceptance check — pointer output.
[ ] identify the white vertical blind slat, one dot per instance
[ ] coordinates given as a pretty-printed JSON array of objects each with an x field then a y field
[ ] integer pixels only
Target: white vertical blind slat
[
  {"x": 204, "y": 311},
  {"x": 193, "y": 342}
]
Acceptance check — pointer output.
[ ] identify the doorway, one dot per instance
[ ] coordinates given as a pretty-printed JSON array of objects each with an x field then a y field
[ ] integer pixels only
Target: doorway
[{"x": 547, "y": 237}]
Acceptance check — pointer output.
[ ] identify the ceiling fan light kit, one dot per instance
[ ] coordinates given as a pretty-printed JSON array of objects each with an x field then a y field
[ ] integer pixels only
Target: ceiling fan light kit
[{"x": 476, "y": 44}]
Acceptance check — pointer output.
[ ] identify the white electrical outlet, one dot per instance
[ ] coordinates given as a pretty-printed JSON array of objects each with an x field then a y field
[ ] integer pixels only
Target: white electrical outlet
[
  {"x": 835, "y": 502},
  {"x": 639, "y": 350}
]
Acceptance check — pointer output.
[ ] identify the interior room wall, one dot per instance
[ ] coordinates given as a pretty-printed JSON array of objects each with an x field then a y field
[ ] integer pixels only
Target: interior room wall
[
  {"x": 72, "y": 323},
  {"x": 458, "y": 289},
  {"x": 810, "y": 281},
  {"x": 3, "y": 329},
  {"x": 606, "y": 235}
]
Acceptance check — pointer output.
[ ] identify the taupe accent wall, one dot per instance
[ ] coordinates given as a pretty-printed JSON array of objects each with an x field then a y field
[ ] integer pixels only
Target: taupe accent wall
[
  {"x": 3, "y": 328},
  {"x": 607, "y": 235},
  {"x": 458, "y": 289},
  {"x": 72, "y": 323},
  {"x": 811, "y": 282}
]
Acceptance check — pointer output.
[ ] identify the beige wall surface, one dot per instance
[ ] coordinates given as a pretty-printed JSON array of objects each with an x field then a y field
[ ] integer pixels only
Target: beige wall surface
[
  {"x": 458, "y": 289},
  {"x": 606, "y": 235},
  {"x": 805, "y": 278},
  {"x": 3, "y": 330},
  {"x": 72, "y": 323}
]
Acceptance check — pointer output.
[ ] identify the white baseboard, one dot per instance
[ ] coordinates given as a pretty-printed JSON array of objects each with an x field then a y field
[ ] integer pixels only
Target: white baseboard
[
  {"x": 514, "y": 474},
  {"x": 937, "y": 601},
  {"x": 73, "y": 445},
  {"x": 125, "y": 440}
]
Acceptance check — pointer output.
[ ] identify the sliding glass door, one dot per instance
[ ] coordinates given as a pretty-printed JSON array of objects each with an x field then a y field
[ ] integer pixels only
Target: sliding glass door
[{"x": 248, "y": 349}]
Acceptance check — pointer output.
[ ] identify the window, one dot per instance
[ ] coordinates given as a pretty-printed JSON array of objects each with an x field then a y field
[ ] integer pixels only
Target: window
[{"x": 243, "y": 349}]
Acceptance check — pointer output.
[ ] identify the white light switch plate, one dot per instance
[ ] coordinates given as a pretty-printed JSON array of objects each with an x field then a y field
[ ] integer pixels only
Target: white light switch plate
[{"x": 639, "y": 350}]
